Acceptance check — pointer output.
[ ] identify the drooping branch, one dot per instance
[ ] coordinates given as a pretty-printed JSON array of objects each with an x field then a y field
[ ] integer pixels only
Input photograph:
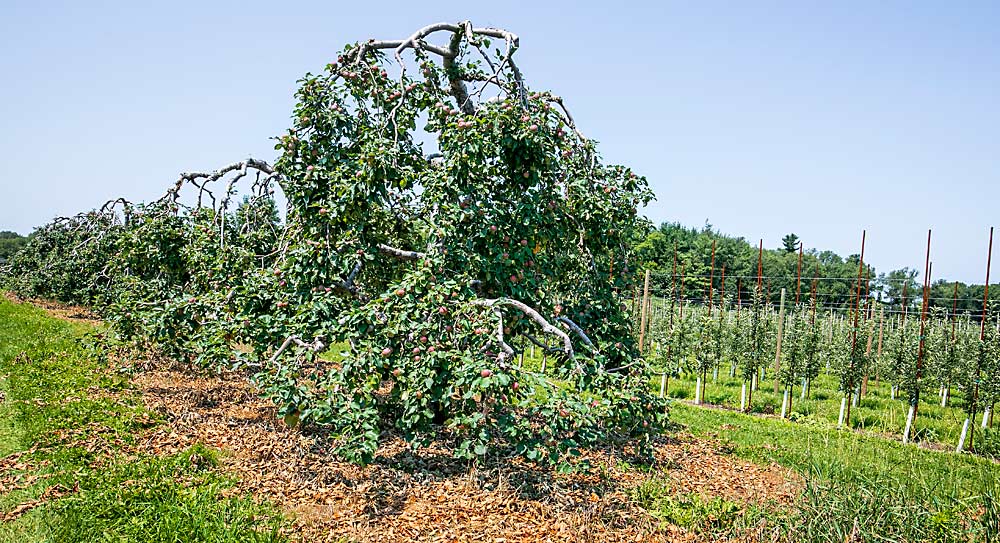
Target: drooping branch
[
  {"x": 316, "y": 346},
  {"x": 625, "y": 366},
  {"x": 547, "y": 349},
  {"x": 354, "y": 274},
  {"x": 567, "y": 116},
  {"x": 507, "y": 349},
  {"x": 547, "y": 327},
  {"x": 209, "y": 177},
  {"x": 400, "y": 254},
  {"x": 449, "y": 54},
  {"x": 579, "y": 331}
]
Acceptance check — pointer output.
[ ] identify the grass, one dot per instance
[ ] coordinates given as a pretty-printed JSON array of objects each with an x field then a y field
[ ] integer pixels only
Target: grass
[
  {"x": 876, "y": 412},
  {"x": 854, "y": 483},
  {"x": 70, "y": 418},
  {"x": 707, "y": 516}
]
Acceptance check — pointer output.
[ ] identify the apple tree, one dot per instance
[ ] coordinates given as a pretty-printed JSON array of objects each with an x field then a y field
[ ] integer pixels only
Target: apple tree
[{"x": 439, "y": 216}]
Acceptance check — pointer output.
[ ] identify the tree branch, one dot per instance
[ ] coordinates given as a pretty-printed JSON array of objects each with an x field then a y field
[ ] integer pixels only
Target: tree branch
[
  {"x": 533, "y": 315},
  {"x": 400, "y": 254},
  {"x": 209, "y": 177},
  {"x": 507, "y": 349},
  {"x": 458, "y": 31},
  {"x": 579, "y": 331}
]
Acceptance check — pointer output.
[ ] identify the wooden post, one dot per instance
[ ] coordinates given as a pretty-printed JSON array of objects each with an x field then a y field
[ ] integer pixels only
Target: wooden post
[
  {"x": 915, "y": 401},
  {"x": 777, "y": 348},
  {"x": 642, "y": 322}
]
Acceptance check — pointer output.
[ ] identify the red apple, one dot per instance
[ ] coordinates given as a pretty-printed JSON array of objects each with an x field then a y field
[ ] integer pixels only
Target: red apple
[
  {"x": 387, "y": 351},
  {"x": 486, "y": 373}
]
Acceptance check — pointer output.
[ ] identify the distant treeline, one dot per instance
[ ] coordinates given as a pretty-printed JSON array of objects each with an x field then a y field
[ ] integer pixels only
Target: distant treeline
[
  {"x": 10, "y": 243},
  {"x": 836, "y": 276}
]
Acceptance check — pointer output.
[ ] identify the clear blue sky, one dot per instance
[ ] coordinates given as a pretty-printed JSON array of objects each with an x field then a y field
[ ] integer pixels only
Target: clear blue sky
[{"x": 819, "y": 118}]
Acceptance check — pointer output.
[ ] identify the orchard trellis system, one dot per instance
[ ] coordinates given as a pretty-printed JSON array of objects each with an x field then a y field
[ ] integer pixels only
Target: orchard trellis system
[
  {"x": 870, "y": 338},
  {"x": 409, "y": 270}
]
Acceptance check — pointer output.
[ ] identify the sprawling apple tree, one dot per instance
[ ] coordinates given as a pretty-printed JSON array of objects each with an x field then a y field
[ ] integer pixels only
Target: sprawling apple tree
[{"x": 440, "y": 216}]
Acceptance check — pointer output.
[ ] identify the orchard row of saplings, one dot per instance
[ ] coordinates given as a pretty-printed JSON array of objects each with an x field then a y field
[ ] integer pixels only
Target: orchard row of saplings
[{"x": 792, "y": 345}]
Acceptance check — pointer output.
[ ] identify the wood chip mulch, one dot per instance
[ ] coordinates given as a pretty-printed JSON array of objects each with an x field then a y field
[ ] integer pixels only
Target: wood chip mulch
[
  {"x": 72, "y": 313},
  {"x": 426, "y": 495}
]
